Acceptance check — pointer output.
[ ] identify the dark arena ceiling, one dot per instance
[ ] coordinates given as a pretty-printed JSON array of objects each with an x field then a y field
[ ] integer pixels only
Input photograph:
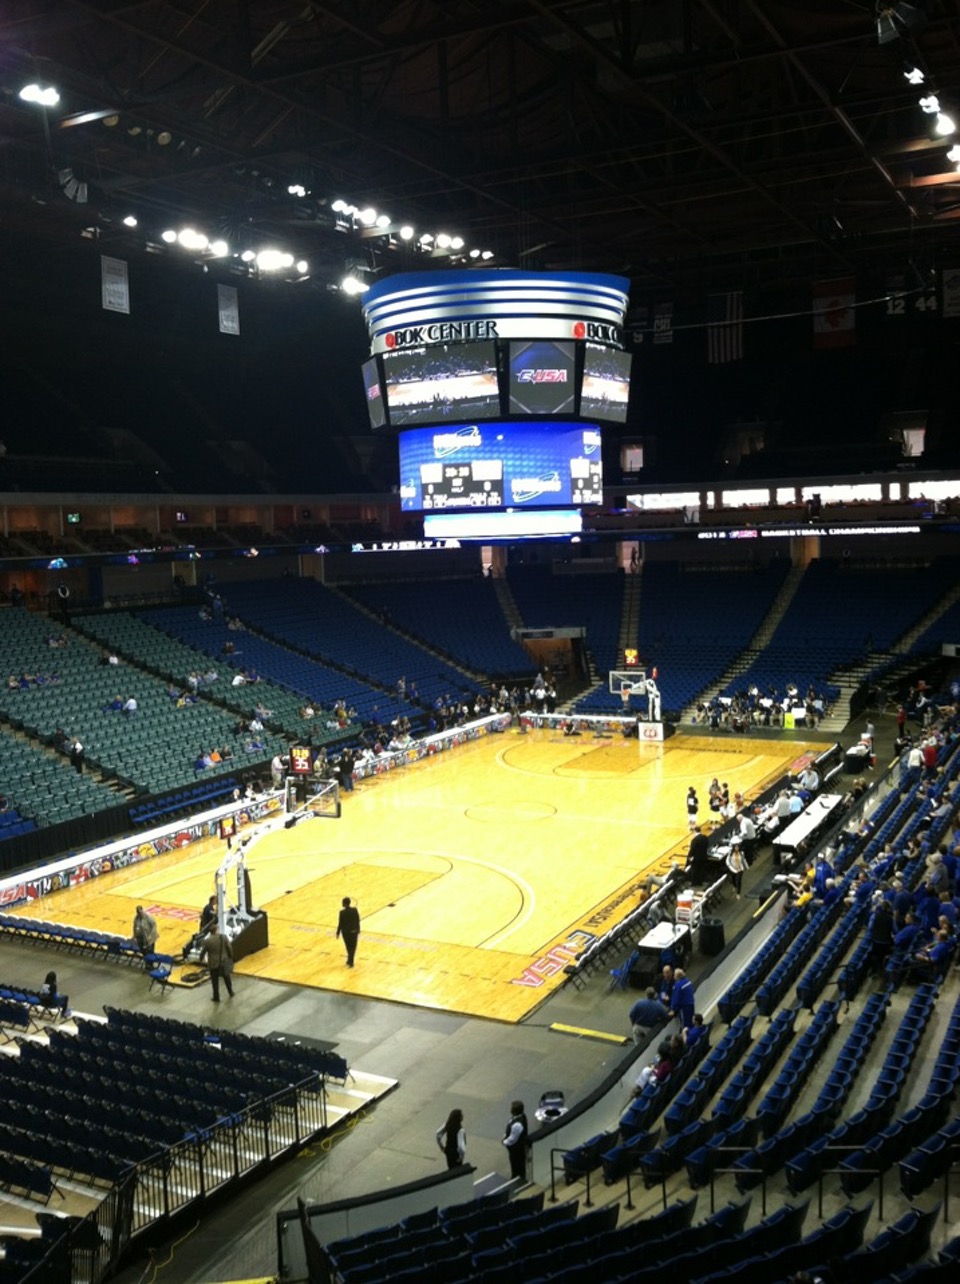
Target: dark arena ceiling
[{"x": 687, "y": 144}]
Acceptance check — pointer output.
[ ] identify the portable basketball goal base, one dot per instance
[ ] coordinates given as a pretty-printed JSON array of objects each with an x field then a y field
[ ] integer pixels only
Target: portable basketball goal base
[{"x": 640, "y": 697}]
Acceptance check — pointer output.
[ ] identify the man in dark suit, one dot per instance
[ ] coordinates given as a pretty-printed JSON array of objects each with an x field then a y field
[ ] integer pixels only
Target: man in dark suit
[
  {"x": 698, "y": 858},
  {"x": 348, "y": 927}
]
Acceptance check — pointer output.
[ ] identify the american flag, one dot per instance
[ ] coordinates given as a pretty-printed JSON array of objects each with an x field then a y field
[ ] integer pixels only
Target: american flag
[{"x": 725, "y": 327}]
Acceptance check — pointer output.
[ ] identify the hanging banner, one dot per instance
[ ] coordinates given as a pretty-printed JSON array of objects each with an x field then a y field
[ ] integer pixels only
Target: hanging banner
[
  {"x": 228, "y": 307},
  {"x": 663, "y": 323},
  {"x": 725, "y": 327},
  {"x": 114, "y": 285},
  {"x": 950, "y": 285},
  {"x": 834, "y": 315}
]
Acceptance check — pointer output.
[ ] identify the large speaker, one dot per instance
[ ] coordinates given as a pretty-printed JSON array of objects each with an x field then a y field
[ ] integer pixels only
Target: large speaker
[{"x": 712, "y": 936}]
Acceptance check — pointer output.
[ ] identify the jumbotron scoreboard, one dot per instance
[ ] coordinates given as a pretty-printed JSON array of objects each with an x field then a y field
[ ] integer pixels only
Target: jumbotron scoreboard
[{"x": 498, "y": 384}]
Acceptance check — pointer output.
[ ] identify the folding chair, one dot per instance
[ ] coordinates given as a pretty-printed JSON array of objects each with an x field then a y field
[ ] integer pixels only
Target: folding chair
[
  {"x": 159, "y": 969},
  {"x": 620, "y": 976}
]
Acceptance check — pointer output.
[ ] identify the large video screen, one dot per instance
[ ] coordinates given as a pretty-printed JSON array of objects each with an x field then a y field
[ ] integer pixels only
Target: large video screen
[
  {"x": 606, "y": 383},
  {"x": 446, "y": 381},
  {"x": 542, "y": 377},
  {"x": 500, "y": 465},
  {"x": 373, "y": 392}
]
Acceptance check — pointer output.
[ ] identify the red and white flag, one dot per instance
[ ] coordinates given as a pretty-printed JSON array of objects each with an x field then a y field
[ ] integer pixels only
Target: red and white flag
[{"x": 834, "y": 315}]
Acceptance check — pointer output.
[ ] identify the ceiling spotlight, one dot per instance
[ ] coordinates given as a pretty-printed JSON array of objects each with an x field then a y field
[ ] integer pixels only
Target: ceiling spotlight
[
  {"x": 913, "y": 75},
  {"x": 219, "y": 249},
  {"x": 303, "y": 266},
  {"x": 406, "y": 232},
  {"x": 191, "y": 240},
  {"x": 40, "y": 95},
  {"x": 339, "y": 207},
  {"x": 353, "y": 285},
  {"x": 130, "y": 221},
  {"x": 426, "y": 239},
  {"x": 443, "y": 241},
  {"x": 930, "y": 105},
  {"x": 945, "y": 125},
  {"x": 954, "y": 153},
  {"x": 164, "y": 138},
  {"x": 384, "y": 220},
  {"x": 169, "y": 236},
  {"x": 456, "y": 243},
  {"x": 487, "y": 254},
  {"x": 297, "y": 189},
  {"x": 474, "y": 254},
  {"x": 368, "y": 216},
  {"x": 248, "y": 256}
]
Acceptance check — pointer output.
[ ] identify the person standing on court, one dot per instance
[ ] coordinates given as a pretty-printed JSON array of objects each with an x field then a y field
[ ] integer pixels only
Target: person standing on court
[
  {"x": 682, "y": 999},
  {"x": 515, "y": 1140},
  {"x": 693, "y": 806},
  {"x": 452, "y": 1139},
  {"x": 144, "y": 930},
  {"x": 348, "y": 927},
  {"x": 217, "y": 952}
]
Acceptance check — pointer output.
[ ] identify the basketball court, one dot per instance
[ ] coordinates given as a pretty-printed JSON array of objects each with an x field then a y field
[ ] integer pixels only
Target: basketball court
[{"x": 479, "y": 873}]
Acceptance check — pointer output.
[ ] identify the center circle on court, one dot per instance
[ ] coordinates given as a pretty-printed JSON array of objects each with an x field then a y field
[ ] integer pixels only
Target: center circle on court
[{"x": 497, "y": 813}]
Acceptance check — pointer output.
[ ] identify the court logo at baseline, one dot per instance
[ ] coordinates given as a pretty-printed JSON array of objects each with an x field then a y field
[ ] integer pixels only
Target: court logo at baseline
[{"x": 555, "y": 960}]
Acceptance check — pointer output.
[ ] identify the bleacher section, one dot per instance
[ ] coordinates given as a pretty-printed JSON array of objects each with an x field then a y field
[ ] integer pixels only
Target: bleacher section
[
  {"x": 312, "y": 619},
  {"x": 461, "y": 619},
  {"x": 841, "y": 612},
  {"x": 154, "y": 749},
  {"x": 176, "y": 643},
  {"x": 695, "y": 621}
]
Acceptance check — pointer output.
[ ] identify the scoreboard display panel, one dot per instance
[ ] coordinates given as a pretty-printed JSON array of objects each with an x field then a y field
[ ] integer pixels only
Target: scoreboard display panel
[
  {"x": 545, "y": 463},
  {"x": 605, "y": 391},
  {"x": 542, "y": 377},
  {"x": 447, "y": 381}
]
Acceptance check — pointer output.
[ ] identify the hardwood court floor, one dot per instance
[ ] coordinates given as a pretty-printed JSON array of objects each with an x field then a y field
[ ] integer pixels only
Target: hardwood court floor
[{"x": 478, "y": 873}]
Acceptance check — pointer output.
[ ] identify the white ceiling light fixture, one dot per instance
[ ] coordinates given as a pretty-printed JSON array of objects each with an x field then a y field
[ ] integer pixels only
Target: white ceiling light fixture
[
  {"x": 40, "y": 95},
  {"x": 913, "y": 75},
  {"x": 443, "y": 241},
  {"x": 406, "y": 232},
  {"x": 168, "y": 236},
  {"x": 219, "y": 249},
  {"x": 945, "y": 125},
  {"x": 930, "y": 104},
  {"x": 130, "y": 220},
  {"x": 367, "y": 216},
  {"x": 352, "y": 284}
]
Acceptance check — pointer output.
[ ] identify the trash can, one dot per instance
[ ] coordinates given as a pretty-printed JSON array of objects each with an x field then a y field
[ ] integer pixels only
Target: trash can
[{"x": 712, "y": 936}]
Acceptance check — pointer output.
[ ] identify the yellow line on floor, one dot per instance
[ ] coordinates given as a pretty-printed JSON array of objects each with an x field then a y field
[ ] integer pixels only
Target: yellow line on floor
[{"x": 588, "y": 1034}]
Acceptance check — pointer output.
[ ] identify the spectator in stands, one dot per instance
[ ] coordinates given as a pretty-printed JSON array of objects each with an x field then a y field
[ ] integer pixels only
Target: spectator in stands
[
  {"x": 77, "y": 755},
  {"x": 682, "y": 998},
  {"x": 115, "y": 705},
  {"x": 51, "y": 997},
  {"x": 695, "y": 1032},
  {"x": 931, "y": 962},
  {"x": 647, "y": 1014},
  {"x": 345, "y": 770},
  {"x": 515, "y": 1140},
  {"x": 452, "y": 1139},
  {"x": 908, "y": 936},
  {"x": 130, "y": 706},
  {"x": 655, "y": 1073},
  {"x": 145, "y": 931},
  {"x": 880, "y": 934},
  {"x": 902, "y": 903}
]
